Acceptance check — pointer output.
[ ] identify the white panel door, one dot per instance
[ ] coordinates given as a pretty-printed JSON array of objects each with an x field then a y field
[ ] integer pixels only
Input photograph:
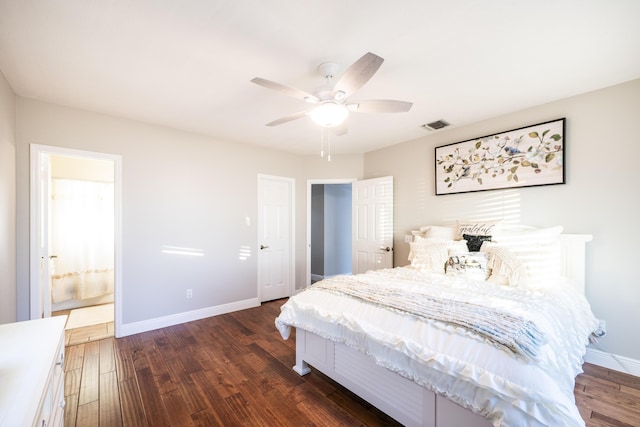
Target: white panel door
[
  {"x": 372, "y": 224},
  {"x": 275, "y": 265}
]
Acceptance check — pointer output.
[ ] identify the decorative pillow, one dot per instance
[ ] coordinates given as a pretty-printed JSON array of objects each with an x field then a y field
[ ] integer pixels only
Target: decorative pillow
[
  {"x": 535, "y": 265},
  {"x": 431, "y": 254},
  {"x": 474, "y": 243},
  {"x": 506, "y": 269},
  {"x": 472, "y": 265},
  {"x": 477, "y": 228}
]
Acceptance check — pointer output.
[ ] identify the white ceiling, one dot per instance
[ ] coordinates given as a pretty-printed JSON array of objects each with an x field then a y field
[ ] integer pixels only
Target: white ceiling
[{"x": 188, "y": 64}]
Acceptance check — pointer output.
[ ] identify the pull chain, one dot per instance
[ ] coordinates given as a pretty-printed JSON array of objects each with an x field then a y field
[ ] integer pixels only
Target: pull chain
[{"x": 325, "y": 134}]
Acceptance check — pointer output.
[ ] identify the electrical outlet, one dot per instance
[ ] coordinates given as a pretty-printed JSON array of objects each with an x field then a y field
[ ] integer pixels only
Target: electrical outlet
[
  {"x": 408, "y": 238},
  {"x": 602, "y": 329},
  {"x": 189, "y": 293}
]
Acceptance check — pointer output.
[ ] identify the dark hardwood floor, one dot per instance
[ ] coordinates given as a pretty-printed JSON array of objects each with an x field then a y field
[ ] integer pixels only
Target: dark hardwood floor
[{"x": 235, "y": 370}]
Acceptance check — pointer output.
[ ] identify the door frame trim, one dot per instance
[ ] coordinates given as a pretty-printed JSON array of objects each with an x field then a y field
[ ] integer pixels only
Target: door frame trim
[
  {"x": 35, "y": 152},
  {"x": 310, "y": 182},
  {"x": 292, "y": 232}
]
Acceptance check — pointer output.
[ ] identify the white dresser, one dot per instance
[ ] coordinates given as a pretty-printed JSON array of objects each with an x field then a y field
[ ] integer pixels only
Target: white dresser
[{"x": 32, "y": 373}]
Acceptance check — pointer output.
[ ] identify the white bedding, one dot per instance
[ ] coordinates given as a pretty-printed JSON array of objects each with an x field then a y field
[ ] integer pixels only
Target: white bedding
[{"x": 450, "y": 361}]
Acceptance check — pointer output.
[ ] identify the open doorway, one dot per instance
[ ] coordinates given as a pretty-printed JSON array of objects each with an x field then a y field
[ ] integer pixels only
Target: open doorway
[
  {"x": 360, "y": 237},
  {"x": 329, "y": 229},
  {"x": 75, "y": 255}
]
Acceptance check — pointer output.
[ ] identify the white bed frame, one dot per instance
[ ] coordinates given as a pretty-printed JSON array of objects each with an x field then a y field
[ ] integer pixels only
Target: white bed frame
[{"x": 400, "y": 398}]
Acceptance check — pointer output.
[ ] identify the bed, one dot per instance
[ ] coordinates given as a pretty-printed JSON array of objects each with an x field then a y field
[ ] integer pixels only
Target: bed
[{"x": 490, "y": 336}]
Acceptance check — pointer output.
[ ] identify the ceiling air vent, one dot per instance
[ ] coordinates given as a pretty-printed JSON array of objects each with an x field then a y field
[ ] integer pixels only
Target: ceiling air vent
[{"x": 438, "y": 124}]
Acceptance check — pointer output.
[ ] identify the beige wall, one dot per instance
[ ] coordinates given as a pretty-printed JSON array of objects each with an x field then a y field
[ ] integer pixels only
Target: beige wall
[
  {"x": 7, "y": 202},
  {"x": 600, "y": 196},
  {"x": 182, "y": 189},
  {"x": 179, "y": 189}
]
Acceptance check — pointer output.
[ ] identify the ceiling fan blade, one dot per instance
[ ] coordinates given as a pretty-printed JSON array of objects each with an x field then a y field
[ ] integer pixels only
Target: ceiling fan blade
[
  {"x": 357, "y": 75},
  {"x": 380, "y": 106},
  {"x": 288, "y": 118},
  {"x": 287, "y": 90},
  {"x": 340, "y": 130}
]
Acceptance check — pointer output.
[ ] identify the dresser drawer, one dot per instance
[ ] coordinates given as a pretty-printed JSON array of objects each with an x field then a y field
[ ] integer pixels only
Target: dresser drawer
[
  {"x": 32, "y": 371},
  {"x": 51, "y": 408}
]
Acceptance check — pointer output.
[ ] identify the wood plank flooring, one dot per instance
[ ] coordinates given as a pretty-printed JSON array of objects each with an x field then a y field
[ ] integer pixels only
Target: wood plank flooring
[
  {"x": 86, "y": 334},
  {"x": 235, "y": 370}
]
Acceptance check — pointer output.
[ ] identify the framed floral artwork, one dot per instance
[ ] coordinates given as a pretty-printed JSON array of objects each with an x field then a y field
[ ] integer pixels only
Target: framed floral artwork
[{"x": 523, "y": 157}]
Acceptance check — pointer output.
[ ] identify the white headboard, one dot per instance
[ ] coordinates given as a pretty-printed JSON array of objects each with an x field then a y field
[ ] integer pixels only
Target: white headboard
[{"x": 574, "y": 258}]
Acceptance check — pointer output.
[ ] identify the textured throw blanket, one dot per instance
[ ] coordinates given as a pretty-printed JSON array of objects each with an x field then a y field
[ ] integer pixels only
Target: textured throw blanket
[{"x": 509, "y": 332}]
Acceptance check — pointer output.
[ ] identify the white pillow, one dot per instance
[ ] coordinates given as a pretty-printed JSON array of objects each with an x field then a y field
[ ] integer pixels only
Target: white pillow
[
  {"x": 526, "y": 265},
  {"x": 513, "y": 237},
  {"x": 543, "y": 264},
  {"x": 506, "y": 268},
  {"x": 505, "y": 227},
  {"x": 429, "y": 254},
  {"x": 446, "y": 232}
]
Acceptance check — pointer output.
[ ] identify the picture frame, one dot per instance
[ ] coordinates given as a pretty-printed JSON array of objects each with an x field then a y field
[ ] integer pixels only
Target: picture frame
[{"x": 524, "y": 157}]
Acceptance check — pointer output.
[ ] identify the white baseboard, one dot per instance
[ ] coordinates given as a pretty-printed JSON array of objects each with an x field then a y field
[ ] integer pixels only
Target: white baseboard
[
  {"x": 611, "y": 361},
  {"x": 188, "y": 316}
]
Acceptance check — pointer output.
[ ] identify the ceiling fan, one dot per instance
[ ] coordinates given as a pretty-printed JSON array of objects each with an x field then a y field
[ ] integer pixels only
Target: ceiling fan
[{"x": 332, "y": 104}]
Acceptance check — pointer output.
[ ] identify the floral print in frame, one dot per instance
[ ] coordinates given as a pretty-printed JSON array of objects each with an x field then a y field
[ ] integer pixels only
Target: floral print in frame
[{"x": 524, "y": 157}]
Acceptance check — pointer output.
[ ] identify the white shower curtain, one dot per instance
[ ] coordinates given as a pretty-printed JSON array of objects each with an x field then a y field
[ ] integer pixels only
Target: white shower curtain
[{"x": 82, "y": 236}]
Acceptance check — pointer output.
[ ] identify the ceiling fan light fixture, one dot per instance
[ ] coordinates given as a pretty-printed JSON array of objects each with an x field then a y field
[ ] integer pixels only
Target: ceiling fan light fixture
[
  {"x": 329, "y": 114},
  {"x": 331, "y": 104}
]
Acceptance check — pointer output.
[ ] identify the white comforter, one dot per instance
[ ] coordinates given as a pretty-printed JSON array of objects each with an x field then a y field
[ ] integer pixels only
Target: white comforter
[{"x": 453, "y": 362}]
